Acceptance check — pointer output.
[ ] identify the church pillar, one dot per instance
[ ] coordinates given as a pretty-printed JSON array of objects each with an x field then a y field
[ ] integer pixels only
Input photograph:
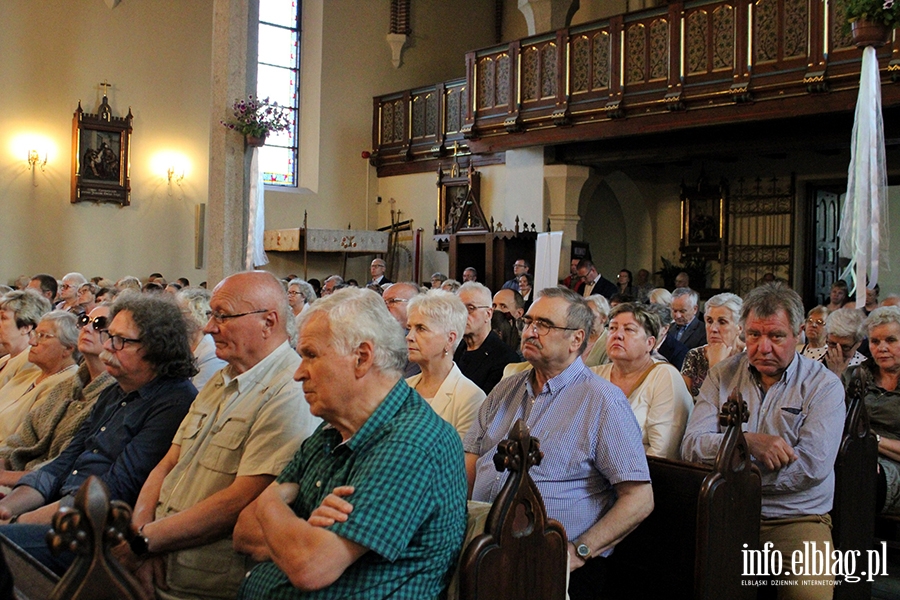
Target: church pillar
[
  {"x": 234, "y": 48},
  {"x": 564, "y": 184},
  {"x": 542, "y": 16}
]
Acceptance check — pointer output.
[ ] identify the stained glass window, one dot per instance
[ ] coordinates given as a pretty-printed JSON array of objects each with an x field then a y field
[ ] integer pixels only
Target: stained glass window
[{"x": 278, "y": 78}]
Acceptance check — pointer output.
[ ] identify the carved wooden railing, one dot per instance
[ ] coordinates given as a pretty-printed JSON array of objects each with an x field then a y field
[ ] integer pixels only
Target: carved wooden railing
[{"x": 681, "y": 65}]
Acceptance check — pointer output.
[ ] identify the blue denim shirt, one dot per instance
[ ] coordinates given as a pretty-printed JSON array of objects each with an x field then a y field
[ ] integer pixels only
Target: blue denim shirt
[{"x": 122, "y": 440}]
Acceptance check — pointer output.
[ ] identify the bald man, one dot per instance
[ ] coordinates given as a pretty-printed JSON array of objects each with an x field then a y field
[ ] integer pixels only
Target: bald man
[{"x": 242, "y": 429}]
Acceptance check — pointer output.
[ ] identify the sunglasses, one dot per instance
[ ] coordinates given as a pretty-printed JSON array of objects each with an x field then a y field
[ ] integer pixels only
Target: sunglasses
[{"x": 97, "y": 324}]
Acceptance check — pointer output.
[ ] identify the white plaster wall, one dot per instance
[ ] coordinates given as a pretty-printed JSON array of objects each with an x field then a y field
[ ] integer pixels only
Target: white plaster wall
[{"x": 54, "y": 54}]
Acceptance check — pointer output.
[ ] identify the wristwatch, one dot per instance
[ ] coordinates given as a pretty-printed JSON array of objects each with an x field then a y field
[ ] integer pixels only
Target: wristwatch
[
  {"x": 582, "y": 551},
  {"x": 139, "y": 544}
]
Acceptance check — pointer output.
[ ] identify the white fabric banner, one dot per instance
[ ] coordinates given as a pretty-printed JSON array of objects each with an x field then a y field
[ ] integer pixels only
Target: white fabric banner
[
  {"x": 546, "y": 259},
  {"x": 864, "y": 223},
  {"x": 256, "y": 216}
]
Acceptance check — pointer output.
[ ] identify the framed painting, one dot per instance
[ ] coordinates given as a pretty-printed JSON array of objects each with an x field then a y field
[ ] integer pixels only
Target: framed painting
[{"x": 101, "y": 156}]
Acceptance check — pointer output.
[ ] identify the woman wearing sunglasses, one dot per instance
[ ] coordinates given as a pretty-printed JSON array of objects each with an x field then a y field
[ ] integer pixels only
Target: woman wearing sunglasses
[{"x": 49, "y": 427}]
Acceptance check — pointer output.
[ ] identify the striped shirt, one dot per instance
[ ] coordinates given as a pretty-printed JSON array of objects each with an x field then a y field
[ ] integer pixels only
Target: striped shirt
[{"x": 589, "y": 437}]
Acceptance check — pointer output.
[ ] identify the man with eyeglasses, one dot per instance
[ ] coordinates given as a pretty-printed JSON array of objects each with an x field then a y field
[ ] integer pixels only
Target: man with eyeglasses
[
  {"x": 68, "y": 292},
  {"x": 129, "y": 428},
  {"x": 482, "y": 356},
  {"x": 520, "y": 267},
  {"x": 376, "y": 269},
  {"x": 594, "y": 477},
  {"x": 241, "y": 431}
]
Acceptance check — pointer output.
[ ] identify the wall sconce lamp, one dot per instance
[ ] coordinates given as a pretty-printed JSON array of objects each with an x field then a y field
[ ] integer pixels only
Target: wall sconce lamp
[
  {"x": 173, "y": 174},
  {"x": 34, "y": 158}
]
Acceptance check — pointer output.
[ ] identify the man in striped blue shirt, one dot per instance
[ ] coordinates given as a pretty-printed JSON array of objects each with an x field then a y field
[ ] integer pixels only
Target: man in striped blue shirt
[{"x": 594, "y": 477}]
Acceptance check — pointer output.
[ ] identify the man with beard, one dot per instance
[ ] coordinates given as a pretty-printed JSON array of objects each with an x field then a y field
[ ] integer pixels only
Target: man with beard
[
  {"x": 509, "y": 306},
  {"x": 128, "y": 431}
]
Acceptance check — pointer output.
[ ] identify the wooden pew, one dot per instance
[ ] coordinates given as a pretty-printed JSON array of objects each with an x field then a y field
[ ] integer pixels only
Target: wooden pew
[
  {"x": 33, "y": 581},
  {"x": 691, "y": 545},
  {"x": 853, "y": 514},
  {"x": 522, "y": 554}
]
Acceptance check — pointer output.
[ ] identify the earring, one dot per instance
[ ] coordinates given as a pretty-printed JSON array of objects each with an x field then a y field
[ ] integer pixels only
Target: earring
[{"x": 445, "y": 352}]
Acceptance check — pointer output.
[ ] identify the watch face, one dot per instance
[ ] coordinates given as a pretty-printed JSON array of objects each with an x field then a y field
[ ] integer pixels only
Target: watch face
[{"x": 583, "y": 551}]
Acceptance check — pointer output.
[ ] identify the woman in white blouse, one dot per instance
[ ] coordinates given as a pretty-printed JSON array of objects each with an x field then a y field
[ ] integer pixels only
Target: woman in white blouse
[
  {"x": 437, "y": 321},
  {"x": 655, "y": 390}
]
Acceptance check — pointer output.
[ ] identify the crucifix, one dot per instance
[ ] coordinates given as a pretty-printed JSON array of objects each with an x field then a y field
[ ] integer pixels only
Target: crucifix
[{"x": 105, "y": 87}]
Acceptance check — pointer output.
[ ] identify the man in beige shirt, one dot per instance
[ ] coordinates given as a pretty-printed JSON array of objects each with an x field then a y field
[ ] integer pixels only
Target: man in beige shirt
[{"x": 240, "y": 432}]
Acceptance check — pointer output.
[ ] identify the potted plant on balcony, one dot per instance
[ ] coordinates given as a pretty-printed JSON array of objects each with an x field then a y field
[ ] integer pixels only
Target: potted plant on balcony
[
  {"x": 256, "y": 118},
  {"x": 870, "y": 21}
]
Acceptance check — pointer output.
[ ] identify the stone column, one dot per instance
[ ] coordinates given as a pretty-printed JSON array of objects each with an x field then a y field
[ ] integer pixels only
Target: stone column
[
  {"x": 234, "y": 50},
  {"x": 542, "y": 16},
  {"x": 564, "y": 185}
]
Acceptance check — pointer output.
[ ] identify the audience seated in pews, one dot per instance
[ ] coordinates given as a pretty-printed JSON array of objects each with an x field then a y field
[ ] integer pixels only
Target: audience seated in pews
[
  {"x": 654, "y": 389},
  {"x": 400, "y": 462},
  {"x": 450, "y": 285},
  {"x": 796, "y": 422},
  {"x": 300, "y": 296},
  {"x": 128, "y": 430},
  {"x": 45, "y": 285},
  {"x": 20, "y": 311},
  {"x": 660, "y": 296},
  {"x": 844, "y": 334},
  {"x": 595, "y": 351},
  {"x": 723, "y": 330},
  {"x": 396, "y": 298},
  {"x": 49, "y": 427},
  {"x": 469, "y": 274},
  {"x": 881, "y": 376},
  {"x": 688, "y": 328},
  {"x": 594, "y": 477},
  {"x": 814, "y": 331},
  {"x": 87, "y": 297},
  {"x": 54, "y": 352},
  {"x": 666, "y": 345},
  {"x": 483, "y": 355},
  {"x": 838, "y": 296},
  {"x": 437, "y": 321},
  {"x": 240, "y": 432}
]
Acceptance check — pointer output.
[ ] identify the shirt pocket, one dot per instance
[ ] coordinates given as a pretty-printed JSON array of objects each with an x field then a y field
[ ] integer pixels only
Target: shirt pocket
[
  {"x": 790, "y": 421},
  {"x": 192, "y": 425},
  {"x": 225, "y": 448}
]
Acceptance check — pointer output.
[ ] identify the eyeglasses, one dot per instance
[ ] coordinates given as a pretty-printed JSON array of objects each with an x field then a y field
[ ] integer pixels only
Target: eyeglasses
[
  {"x": 390, "y": 301},
  {"x": 118, "y": 342},
  {"x": 844, "y": 348},
  {"x": 541, "y": 326},
  {"x": 293, "y": 294},
  {"x": 220, "y": 318},
  {"x": 472, "y": 307},
  {"x": 67, "y": 286},
  {"x": 812, "y": 321},
  {"x": 97, "y": 324},
  {"x": 40, "y": 336}
]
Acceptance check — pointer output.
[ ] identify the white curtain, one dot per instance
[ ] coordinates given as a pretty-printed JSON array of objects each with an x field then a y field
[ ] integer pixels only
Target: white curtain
[
  {"x": 256, "y": 221},
  {"x": 864, "y": 221}
]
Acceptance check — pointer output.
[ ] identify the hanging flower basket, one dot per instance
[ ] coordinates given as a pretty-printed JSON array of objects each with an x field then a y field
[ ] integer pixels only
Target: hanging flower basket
[
  {"x": 256, "y": 141},
  {"x": 869, "y": 33}
]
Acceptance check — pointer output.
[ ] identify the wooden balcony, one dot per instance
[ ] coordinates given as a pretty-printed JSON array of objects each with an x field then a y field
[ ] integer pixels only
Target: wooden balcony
[{"x": 684, "y": 65}]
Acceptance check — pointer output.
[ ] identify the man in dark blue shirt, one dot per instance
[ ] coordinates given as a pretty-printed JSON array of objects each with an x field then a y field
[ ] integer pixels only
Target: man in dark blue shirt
[{"x": 130, "y": 427}]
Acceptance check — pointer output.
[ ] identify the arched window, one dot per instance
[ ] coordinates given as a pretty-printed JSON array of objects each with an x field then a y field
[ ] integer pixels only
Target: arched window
[{"x": 278, "y": 78}]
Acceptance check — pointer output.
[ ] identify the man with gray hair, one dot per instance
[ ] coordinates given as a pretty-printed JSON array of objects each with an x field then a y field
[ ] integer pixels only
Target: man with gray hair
[
  {"x": 241, "y": 431},
  {"x": 688, "y": 327},
  {"x": 400, "y": 463},
  {"x": 666, "y": 345},
  {"x": 594, "y": 476},
  {"x": 482, "y": 356},
  {"x": 796, "y": 419},
  {"x": 844, "y": 333},
  {"x": 68, "y": 292}
]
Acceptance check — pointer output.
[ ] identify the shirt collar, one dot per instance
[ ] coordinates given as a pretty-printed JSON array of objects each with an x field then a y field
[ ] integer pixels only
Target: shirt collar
[
  {"x": 257, "y": 372},
  {"x": 568, "y": 375},
  {"x": 788, "y": 374},
  {"x": 382, "y": 415}
]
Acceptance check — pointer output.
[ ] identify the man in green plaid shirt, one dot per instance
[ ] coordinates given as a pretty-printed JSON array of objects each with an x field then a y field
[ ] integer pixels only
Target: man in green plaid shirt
[{"x": 402, "y": 462}]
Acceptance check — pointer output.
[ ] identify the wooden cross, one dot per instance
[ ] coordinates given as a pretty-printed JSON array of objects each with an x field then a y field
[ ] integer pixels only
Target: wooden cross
[{"x": 105, "y": 87}]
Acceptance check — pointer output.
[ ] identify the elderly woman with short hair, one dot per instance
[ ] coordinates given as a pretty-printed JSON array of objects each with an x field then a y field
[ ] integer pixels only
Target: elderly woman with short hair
[
  {"x": 655, "y": 390},
  {"x": 844, "y": 332},
  {"x": 723, "y": 330},
  {"x": 881, "y": 380},
  {"x": 594, "y": 354},
  {"x": 54, "y": 351},
  {"x": 194, "y": 304},
  {"x": 300, "y": 295},
  {"x": 86, "y": 297},
  {"x": 437, "y": 321},
  {"x": 20, "y": 312},
  {"x": 814, "y": 329}
]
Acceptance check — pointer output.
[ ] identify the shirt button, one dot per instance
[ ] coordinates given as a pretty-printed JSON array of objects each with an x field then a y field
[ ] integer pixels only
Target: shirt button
[
  {"x": 75, "y": 472},
  {"x": 319, "y": 483},
  {"x": 95, "y": 451},
  {"x": 103, "y": 428},
  {"x": 124, "y": 403}
]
